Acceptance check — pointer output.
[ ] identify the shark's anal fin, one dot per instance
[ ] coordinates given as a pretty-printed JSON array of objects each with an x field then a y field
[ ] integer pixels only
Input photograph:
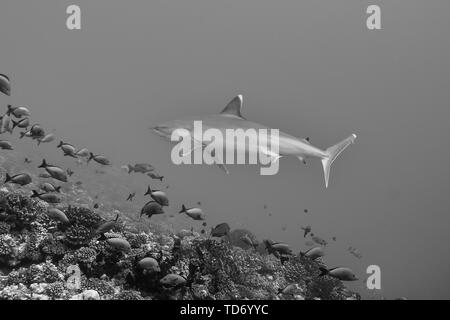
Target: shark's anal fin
[{"x": 233, "y": 108}]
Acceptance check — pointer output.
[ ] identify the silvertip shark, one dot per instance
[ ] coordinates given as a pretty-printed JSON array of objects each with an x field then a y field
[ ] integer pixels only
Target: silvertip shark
[{"x": 231, "y": 118}]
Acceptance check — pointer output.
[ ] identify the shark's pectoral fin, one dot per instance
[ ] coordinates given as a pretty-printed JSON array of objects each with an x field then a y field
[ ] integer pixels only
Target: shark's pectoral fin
[{"x": 274, "y": 157}]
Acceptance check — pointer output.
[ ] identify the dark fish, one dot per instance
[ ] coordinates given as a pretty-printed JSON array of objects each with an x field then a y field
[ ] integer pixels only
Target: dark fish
[
  {"x": 341, "y": 273},
  {"x": 149, "y": 264},
  {"x": 5, "y": 145},
  {"x": 152, "y": 208},
  {"x": 158, "y": 195},
  {"x": 47, "y": 197},
  {"x": 99, "y": 159},
  {"x": 220, "y": 230},
  {"x": 173, "y": 280},
  {"x": 204, "y": 224},
  {"x": 54, "y": 171},
  {"x": 20, "y": 179},
  {"x": 334, "y": 238},
  {"x": 119, "y": 244},
  {"x": 69, "y": 172},
  {"x": 96, "y": 205},
  {"x": 202, "y": 231},
  {"x": 27, "y": 160},
  {"x": 107, "y": 226},
  {"x": 140, "y": 167},
  {"x": 68, "y": 149},
  {"x": 5, "y": 85},
  {"x": 305, "y": 211},
  {"x": 313, "y": 253},
  {"x": 57, "y": 214}
]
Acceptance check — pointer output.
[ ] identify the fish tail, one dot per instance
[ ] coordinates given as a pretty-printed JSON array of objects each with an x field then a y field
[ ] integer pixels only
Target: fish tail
[
  {"x": 58, "y": 189},
  {"x": 323, "y": 271},
  {"x": 161, "y": 178},
  {"x": 9, "y": 111},
  {"x": 149, "y": 191},
  {"x": 22, "y": 134},
  {"x": 332, "y": 153},
  {"x": 15, "y": 123},
  {"x": 130, "y": 168},
  {"x": 7, "y": 178},
  {"x": 60, "y": 144},
  {"x": 35, "y": 194},
  {"x": 183, "y": 209},
  {"x": 43, "y": 164},
  {"x": 91, "y": 156}
]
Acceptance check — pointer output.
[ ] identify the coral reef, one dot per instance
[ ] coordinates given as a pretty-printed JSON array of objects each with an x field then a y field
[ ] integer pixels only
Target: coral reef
[{"x": 42, "y": 259}]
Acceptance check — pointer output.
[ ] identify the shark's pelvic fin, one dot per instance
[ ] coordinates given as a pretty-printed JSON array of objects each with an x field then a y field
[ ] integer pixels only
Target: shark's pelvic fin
[
  {"x": 233, "y": 108},
  {"x": 333, "y": 152}
]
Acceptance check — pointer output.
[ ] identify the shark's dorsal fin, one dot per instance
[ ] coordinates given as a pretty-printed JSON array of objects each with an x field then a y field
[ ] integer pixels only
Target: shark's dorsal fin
[{"x": 233, "y": 108}]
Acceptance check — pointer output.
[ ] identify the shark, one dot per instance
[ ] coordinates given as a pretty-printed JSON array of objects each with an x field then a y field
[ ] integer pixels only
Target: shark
[{"x": 231, "y": 118}]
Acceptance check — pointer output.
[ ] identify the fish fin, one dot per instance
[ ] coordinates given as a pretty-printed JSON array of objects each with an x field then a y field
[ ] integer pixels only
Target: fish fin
[
  {"x": 7, "y": 178},
  {"x": 44, "y": 164},
  {"x": 58, "y": 189},
  {"x": 183, "y": 209},
  {"x": 333, "y": 152},
  {"x": 233, "y": 108},
  {"x": 102, "y": 237},
  {"x": 323, "y": 271},
  {"x": 91, "y": 156},
  {"x": 130, "y": 168},
  {"x": 35, "y": 194},
  {"x": 22, "y": 134},
  {"x": 9, "y": 111},
  {"x": 149, "y": 191}
]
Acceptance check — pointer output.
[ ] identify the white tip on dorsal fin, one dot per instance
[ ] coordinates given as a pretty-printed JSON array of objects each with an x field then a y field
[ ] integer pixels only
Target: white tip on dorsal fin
[{"x": 233, "y": 108}]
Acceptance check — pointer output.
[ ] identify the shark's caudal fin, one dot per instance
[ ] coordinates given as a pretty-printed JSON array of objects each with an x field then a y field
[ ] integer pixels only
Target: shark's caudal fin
[{"x": 333, "y": 152}]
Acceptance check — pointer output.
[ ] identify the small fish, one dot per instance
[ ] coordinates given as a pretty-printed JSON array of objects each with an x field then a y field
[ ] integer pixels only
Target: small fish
[
  {"x": 152, "y": 208},
  {"x": 278, "y": 247},
  {"x": 173, "y": 280},
  {"x": 54, "y": 171},
  {"x": 131, "y": 196},
  {"x": 82, "y": 153},
  {"x": 46, "y": 139},
  {"x": 140, "y": 167},
  {"x": 155, "y": 176},
  {"x": 99, "y": 159},
  {"x": 305, "y": 211},
  {"x": 313, "y": 253},
  {"x": 69, "y": 172},
  {"x": 47, "y": 197},
  {"x": 96, "y": 205},
  {"x": 119, "y": 244},
  {"x": 27, "y": 160},
  {"x": 355, "y": 252},
  {"x": 6, "y": 124},
  {"x": 290, "y": 289},
  {"x": 341, "y": 273},
  {"x": 247, "y": 240},
  {"x": 22, "y": 123},
  {"x": 149, "y": 264},
  {"x": 307, "y": 230},
  {"x": 45, "y": 175},
  {"x": 20, "y": 179},
  {"x": 204, "y": 224},
  {"x": 334, "y": 238},
  {"x": 318, "y": 240},
  {"x": 158, "y": 195},
  {"x": 18, "y": 112},
  {"x": 48, "y": 187},
  {"x": 6, "y": 145},
  {"x": 58, "y": 215},
  {"x": 5, "y": 85},
  {"x": 36, "y": 131},
  {"x": 107, "y": 226},
  {"x": 67, "y": 148},
  {"x": 220, "y": 230},
  {"x": 194, "y": 213}
]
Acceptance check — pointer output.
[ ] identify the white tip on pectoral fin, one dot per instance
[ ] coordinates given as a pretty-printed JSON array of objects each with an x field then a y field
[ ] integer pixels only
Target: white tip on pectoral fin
[{"x": 333, "y": 152}]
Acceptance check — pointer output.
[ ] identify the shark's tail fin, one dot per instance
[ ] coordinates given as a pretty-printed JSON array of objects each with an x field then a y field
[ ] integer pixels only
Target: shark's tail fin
[{"x": 333, "y": 152}]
